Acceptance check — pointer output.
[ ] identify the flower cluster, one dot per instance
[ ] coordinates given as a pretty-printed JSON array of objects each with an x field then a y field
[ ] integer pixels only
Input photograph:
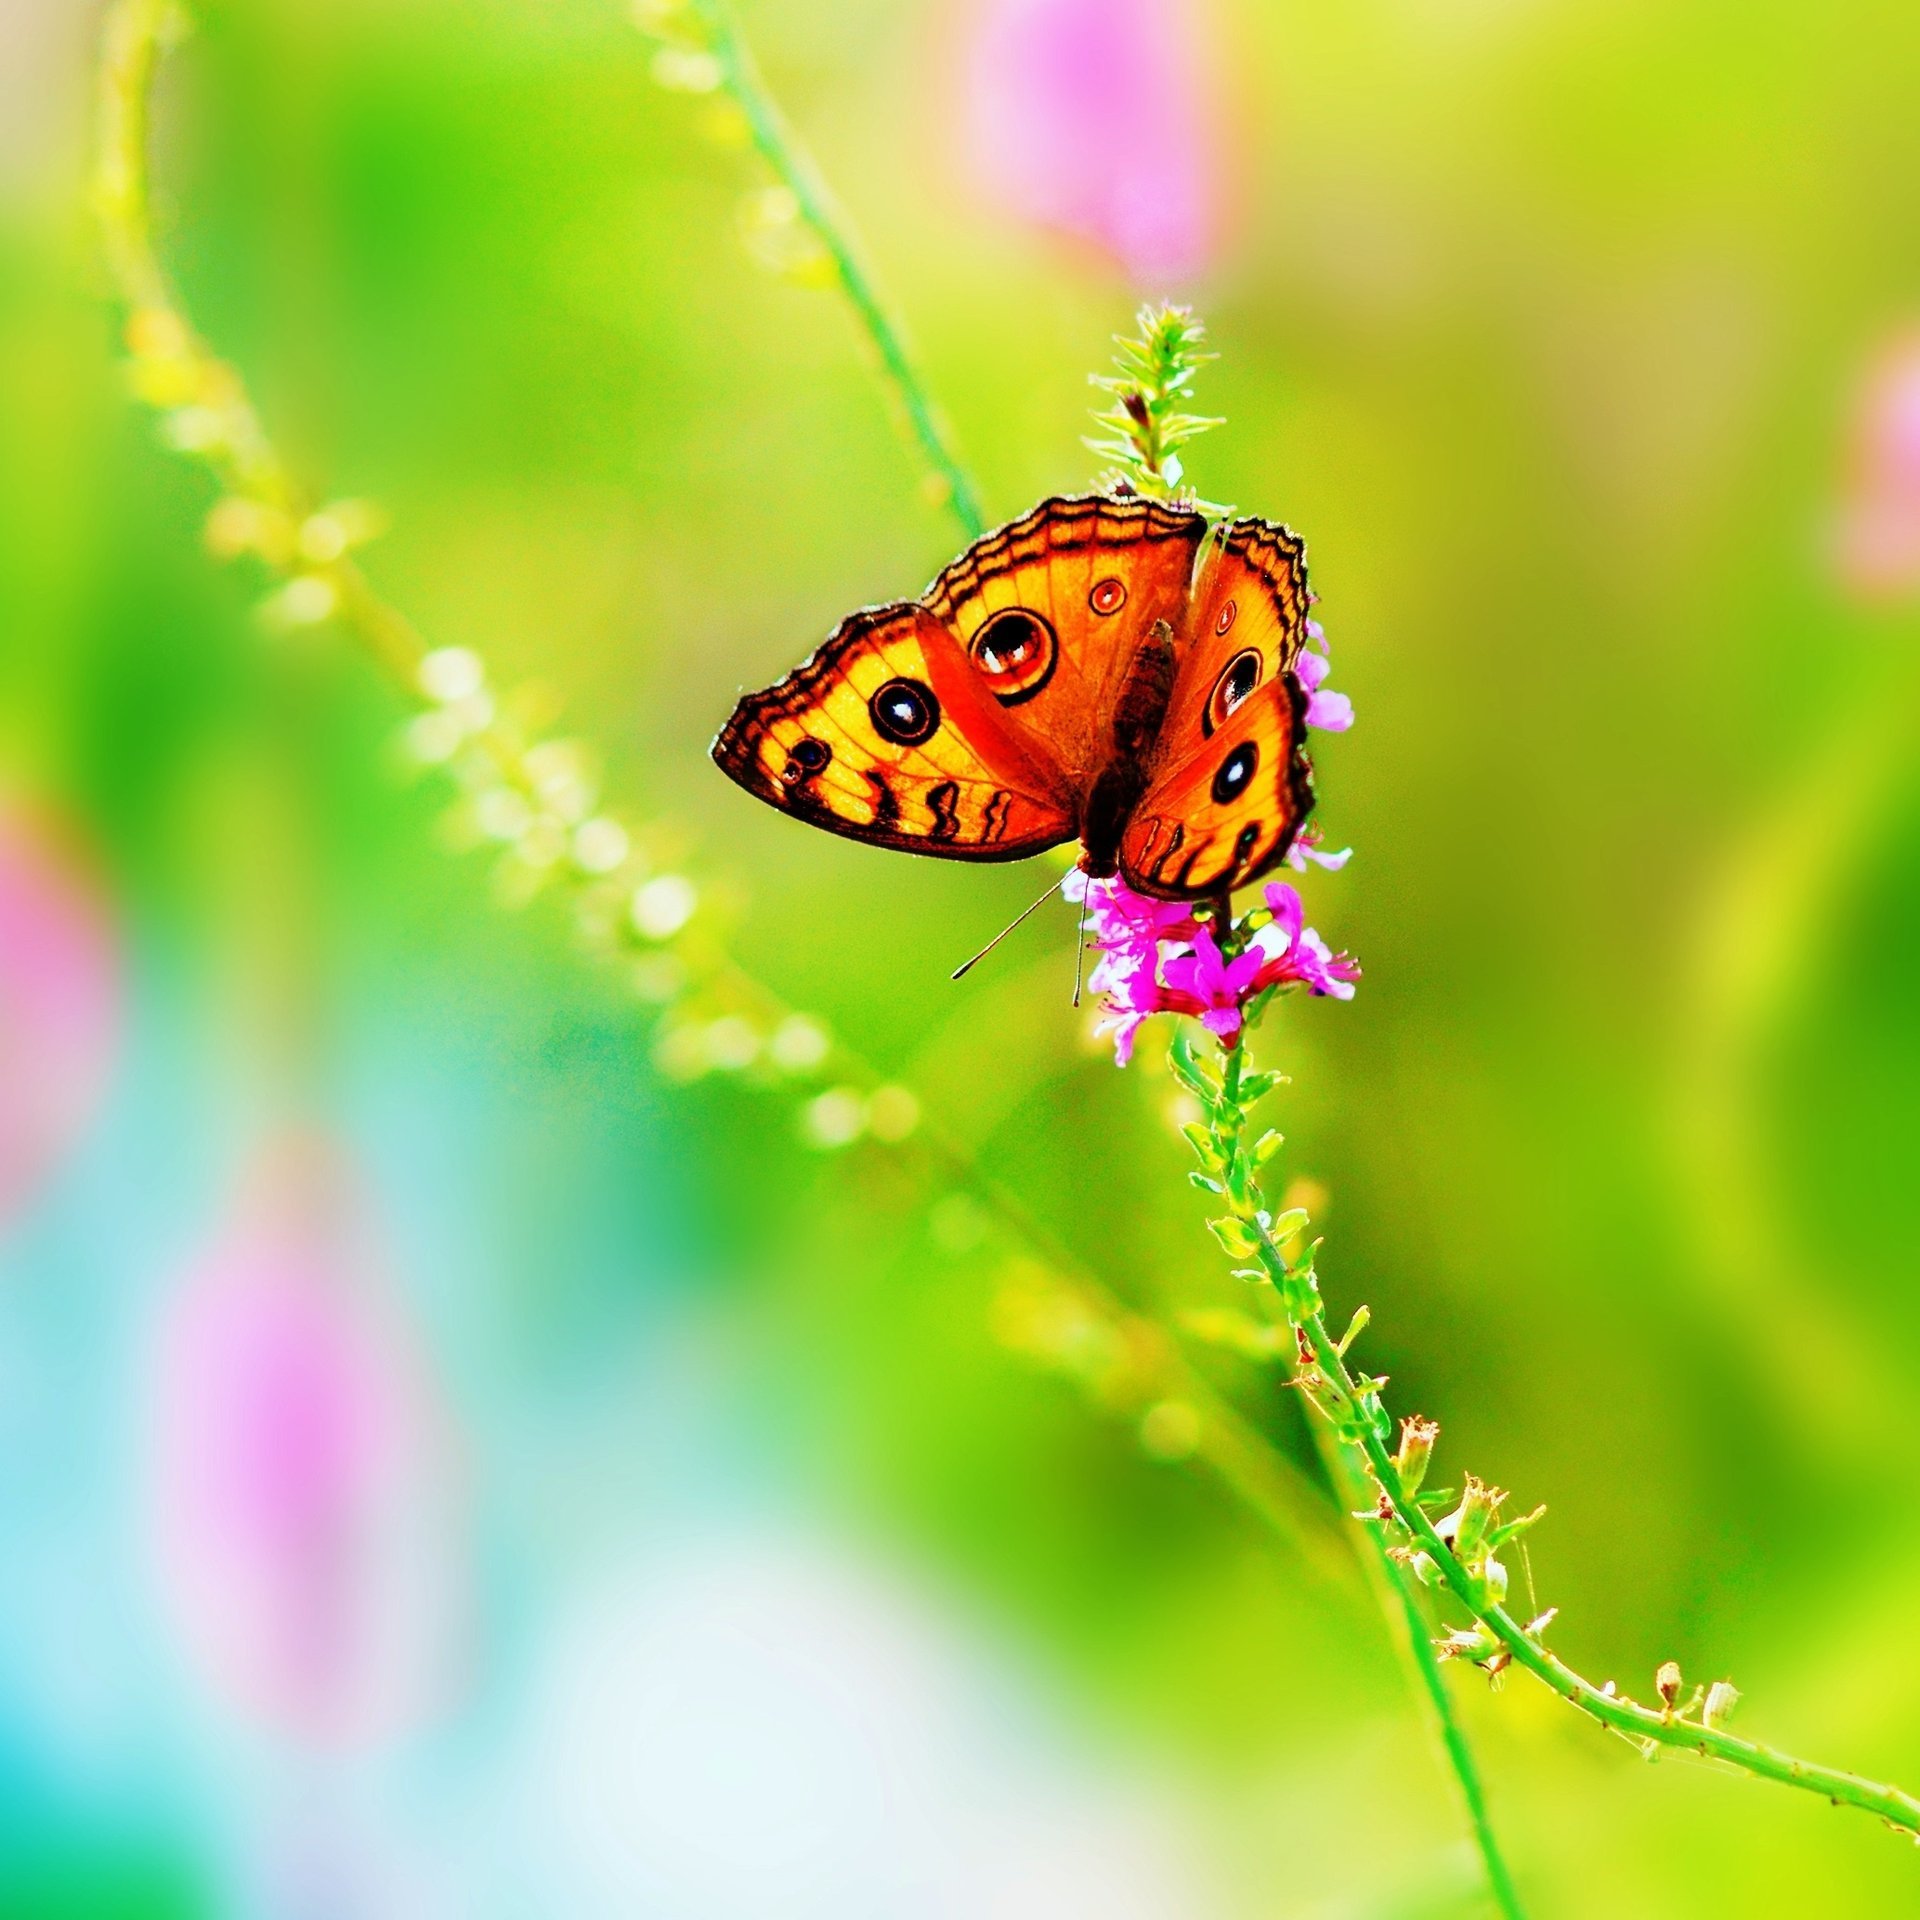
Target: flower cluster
[{"x": 1159, "y": 957}]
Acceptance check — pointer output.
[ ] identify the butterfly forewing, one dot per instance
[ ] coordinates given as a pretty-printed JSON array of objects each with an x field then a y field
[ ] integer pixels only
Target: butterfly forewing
[{"x": 1052, "y": 609}]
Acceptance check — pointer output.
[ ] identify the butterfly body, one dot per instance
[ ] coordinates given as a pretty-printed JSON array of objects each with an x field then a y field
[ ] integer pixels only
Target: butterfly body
[{"x": 1105, "y": 668}]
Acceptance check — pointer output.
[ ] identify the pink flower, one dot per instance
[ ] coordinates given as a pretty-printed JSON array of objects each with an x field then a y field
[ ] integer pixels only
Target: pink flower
[
  {"x": 1144, "y": 972},
  {"x": 1307, "y": 847},
  {"x": 1292, "y": 953},
  {"x": 1878, "y": 543},
  {"x": 301, "y": 1499},
  {"x": 1329, "y": 711},
  {"x": 1121, "y": 920},
  {"x": 1097, "y": 118},
  {"x": 1213, "y": 989},
  {"x": 59, "y": 1003}
]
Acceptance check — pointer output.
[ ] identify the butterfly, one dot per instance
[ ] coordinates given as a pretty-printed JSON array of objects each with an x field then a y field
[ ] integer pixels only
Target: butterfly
[{"x": 1106, "y": 668}]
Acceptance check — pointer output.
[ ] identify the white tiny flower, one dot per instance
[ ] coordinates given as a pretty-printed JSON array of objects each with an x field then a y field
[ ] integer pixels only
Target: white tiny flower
[
  {"x": 799, "y": 1044},
  {"x": 433, "y": 737},
  {"x": 600, "y": 846},
  {"x": 502, "y": 814},
  {"x": 834, "y": 1118},
  {"x": 663, "y": 905},
  {"x": 686, "y": 70},
  {"x": 304, "y": 601},
  {"x": 732, "y": 1043},
  {"x": 451, "y": 673}
]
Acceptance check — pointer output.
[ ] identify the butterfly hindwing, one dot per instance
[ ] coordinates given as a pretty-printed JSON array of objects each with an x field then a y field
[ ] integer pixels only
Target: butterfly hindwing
[
  {"x": 1229, "y": 786},
  {"x": 887, "y": 736},
  {"x": 1052, "y": 608}
]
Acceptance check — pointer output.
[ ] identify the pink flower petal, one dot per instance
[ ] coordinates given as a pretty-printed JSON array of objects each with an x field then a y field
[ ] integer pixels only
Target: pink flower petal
[
  {"x": 1330, "y": 712},
  {"x": 1095, "y": 118}
]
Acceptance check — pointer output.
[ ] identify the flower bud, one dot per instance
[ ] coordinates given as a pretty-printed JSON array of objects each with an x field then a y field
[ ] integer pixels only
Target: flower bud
[
  {"x": 1667, "y": 1683},
  {"x": 1417, "y": 1435},
  {"x": 1466, "y": 1528},
  {"x": 1722, "y": 1697}
]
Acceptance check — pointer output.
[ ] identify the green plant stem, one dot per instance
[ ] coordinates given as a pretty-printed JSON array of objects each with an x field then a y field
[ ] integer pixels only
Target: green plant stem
[
  {"x": 1401, "y": 1608},
  {"x": 782, "y": 150},
  {"x": 1347, "y": 1471},
  {"x": 1354, "y": 1409}
]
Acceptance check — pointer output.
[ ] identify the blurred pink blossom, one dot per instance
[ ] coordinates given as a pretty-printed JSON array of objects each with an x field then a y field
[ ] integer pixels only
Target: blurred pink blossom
[
  {"x": 1878, "y": 544},
  {"x": 1091, "y": 117},
  {"x": 59, "y": 1002},
  {"x": 302, "y": 1494}
]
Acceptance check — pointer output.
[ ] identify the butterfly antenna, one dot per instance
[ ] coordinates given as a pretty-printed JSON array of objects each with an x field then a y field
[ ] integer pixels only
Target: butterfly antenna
[
  {"x": 1023, "y": 914},
  {"x": 1080, "y": 948}
]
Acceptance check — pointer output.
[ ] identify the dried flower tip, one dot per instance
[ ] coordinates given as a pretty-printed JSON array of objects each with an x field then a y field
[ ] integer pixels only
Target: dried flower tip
[
  {"x": 1417, "y": 1435},
  {"x": 1667, "y": 1683},
  {"x": 1466, "y": 1528},
  {"x": 1722, "y": 1697},
  {"x": 1540, "y": 1623},
  {"x": 450, "y": 674}
]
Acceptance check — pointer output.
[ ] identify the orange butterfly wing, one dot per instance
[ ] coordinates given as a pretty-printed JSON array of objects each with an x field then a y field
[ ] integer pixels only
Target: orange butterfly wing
[
  {"x": 888, "y": 735},
  {"x": 1017, "y": 651},
  {"x": 1051, "y": 610},
  {"x": 1230, "y": 784}
]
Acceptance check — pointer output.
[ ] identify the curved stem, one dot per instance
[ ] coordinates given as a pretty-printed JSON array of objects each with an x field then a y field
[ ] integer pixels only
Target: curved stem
[
  {"x": 818, "y": 206},
  {"x": 1352, "y": 1407},
  {"x": 1347, "y": 1469}
]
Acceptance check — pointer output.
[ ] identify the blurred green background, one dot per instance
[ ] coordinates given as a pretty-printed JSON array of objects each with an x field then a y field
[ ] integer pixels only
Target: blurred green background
[{"x": 721, "y": 1561}]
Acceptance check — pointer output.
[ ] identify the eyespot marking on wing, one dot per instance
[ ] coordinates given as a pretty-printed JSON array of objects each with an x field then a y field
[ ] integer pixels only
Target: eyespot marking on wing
[
  {"x": 1238, "y": 678},
  {"x": 1016, "y": 651},
  {"x": 1236, "y": 773},
  {"x": 905, "y": 712}
]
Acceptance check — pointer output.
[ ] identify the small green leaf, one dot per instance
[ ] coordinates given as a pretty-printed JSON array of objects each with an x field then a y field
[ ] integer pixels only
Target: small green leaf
[
  {"x": 1189, "y": 1072},
  {"x": 1202, "y": 1142},
  {"x": 1235, "y": 1235},
  {"x": 1512, "y": 1528},
  {"x": 1268, "y": 1145},
  {"x": 1205, "y": 1184}
]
